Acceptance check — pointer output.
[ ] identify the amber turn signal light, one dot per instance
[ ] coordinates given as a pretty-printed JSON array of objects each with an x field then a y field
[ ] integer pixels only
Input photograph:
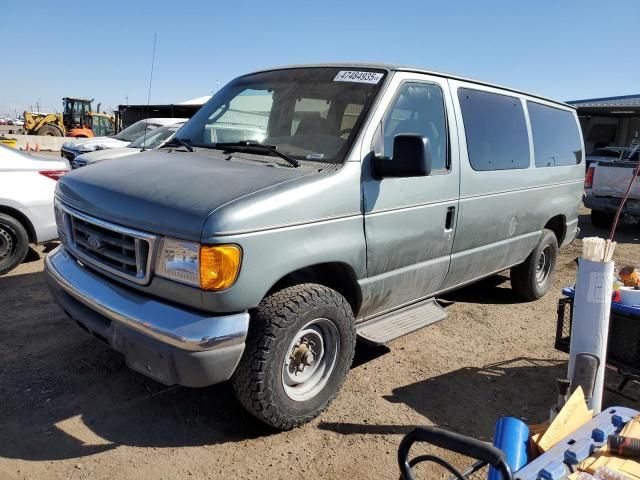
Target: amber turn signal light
[{"x": 219, "y": 266}]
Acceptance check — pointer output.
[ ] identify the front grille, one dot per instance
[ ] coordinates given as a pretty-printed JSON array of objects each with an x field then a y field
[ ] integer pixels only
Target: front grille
[
  {"x": 111, "y": 248},
  {"x": 116, "y": 249}
]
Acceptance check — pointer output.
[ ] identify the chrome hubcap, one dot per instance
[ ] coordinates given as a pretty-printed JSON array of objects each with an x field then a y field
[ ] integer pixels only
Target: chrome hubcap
[
  {"x": 311, "y": 359},
  {"x": 543, "y": 267},
  {"x": 6, "y": 244}
]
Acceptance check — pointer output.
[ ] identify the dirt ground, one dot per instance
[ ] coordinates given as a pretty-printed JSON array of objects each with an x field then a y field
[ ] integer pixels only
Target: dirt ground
[{"x": 69, "y": 407}]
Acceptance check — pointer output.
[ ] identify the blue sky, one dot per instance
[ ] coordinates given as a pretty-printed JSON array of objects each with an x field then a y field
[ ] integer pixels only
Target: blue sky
[{"x": 565, "y": 49}]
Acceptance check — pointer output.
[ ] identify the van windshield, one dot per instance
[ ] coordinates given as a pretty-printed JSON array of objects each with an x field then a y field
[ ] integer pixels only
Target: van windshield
[{"x": 306, "y": 113}]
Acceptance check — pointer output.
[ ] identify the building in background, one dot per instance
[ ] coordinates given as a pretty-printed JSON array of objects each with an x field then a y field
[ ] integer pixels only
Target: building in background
[
  {"x": 129, "y": 114},
  {"x": 609, "y": 121}
]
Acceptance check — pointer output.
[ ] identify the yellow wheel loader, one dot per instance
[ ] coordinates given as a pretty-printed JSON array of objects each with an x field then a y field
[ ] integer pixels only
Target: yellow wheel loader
[{"x": 77, "y": 120}]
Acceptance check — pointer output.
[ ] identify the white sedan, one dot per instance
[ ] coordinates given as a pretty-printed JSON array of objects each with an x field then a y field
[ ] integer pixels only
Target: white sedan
[
  {"x": 153, "y": 139},
  {"x": 70, "y": 150},
  {"x": 27, "y": 185}
]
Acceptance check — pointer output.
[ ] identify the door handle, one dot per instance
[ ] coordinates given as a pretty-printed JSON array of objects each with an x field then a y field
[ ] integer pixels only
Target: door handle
[{"x": 448, "y": 223}]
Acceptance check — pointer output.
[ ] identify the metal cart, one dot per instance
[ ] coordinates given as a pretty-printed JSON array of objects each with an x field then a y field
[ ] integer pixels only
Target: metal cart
[
  {"x": 557, "y": 462},
  {"x": 485, "y": 454}
]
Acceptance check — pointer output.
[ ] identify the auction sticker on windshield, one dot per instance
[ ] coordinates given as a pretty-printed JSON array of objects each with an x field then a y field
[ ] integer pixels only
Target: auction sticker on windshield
[{"x": 359, "y": 77}]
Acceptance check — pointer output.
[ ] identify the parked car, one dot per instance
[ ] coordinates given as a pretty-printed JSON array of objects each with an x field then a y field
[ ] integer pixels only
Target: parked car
[
  {"x": 374, "y": 190},
  {"x": 18, "y": 122},
  {"x": 605, "y": 185},
  {"x": 611, "y": 153},
  {"x": 153, "y": 139},
  {"x": 4, "y": 121},
  {"x": 27, "y": 184},
  {"x": 72, "y": 149}
]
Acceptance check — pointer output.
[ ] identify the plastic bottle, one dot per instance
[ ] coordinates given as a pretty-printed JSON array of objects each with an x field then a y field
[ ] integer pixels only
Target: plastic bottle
[{"x": 511, "y": 435}]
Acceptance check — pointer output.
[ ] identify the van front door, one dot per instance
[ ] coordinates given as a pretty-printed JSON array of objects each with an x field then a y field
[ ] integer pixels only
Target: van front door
[{"x": 410, "y": 222}]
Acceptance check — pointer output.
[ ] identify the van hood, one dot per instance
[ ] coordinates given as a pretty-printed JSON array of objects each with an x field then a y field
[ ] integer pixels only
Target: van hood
[{"x": 166, "y": 192}]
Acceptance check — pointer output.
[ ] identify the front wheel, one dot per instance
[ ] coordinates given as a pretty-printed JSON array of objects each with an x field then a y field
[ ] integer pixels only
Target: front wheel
[
  {"x": 534, "y": 277},
  {"x": 14, "y": 243},
  {"x": 50, "y": 131},
  {"x": 298, "y": 352}
]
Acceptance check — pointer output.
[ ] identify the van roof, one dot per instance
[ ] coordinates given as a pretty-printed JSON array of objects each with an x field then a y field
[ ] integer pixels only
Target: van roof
[{"x": 404, "y": 68}]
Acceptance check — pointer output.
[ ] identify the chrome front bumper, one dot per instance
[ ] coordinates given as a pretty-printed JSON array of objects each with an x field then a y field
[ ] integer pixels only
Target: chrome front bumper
[{"x": 174, "y": 345}]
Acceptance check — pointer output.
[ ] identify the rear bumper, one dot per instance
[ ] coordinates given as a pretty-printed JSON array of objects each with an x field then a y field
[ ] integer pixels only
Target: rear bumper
[
  {"x": 611, "y": 204},
  {"x": 168, "y": 343}
]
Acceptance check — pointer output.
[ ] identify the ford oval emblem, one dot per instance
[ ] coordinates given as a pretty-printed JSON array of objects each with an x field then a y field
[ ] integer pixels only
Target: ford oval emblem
[{"x": 94, "y": 242}]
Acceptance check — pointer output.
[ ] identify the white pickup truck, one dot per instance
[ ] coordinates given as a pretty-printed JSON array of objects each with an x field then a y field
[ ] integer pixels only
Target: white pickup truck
[{"x": 605, "y": 185}]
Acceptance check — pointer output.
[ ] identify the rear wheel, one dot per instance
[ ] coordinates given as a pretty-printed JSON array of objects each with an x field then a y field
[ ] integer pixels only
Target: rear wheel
[
  {"x": 534, "y": 277},
  {"x": 601, "y": 219},
  {"x": 298, "y": 352},
  {"x": 14, "y": 243},
  {"x": 50, "y": 131}
]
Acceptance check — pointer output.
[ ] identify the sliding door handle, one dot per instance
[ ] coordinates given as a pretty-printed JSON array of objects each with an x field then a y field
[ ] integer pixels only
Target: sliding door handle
[{"x": 449, "y": 221}]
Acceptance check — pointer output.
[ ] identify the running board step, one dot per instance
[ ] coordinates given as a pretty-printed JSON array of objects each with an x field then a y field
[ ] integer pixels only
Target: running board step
[{"x": 393, "y": 325}]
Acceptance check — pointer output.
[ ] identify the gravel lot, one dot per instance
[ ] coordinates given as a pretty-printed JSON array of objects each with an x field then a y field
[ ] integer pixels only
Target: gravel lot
[{"x": 69, "y": 408}]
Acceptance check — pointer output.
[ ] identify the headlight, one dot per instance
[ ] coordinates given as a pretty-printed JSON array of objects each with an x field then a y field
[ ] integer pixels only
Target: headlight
[
  {"x": 178, "y": 260},
  {"x": 62, "y": 233},
  {"x": 58, "y": 216},
  {"x": 210, "y": 267}
]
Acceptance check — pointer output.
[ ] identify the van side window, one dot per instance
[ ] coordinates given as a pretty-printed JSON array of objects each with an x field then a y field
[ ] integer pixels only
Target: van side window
[
  {"x": 556, "y": 140},
  {"x": 495, "y": 129},
  {"x": 418, "y": 108}
]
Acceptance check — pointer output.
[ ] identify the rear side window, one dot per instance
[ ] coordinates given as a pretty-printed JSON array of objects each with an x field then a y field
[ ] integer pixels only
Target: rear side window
[
  {"x": 496, "y": 130},
  {"x": 556, "y": 140}
]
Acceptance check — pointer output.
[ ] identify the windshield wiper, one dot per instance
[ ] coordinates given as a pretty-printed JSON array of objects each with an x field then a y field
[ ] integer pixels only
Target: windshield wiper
[
  {"x": 178, "y": 142},
  {"x": 250, "y": 144}
]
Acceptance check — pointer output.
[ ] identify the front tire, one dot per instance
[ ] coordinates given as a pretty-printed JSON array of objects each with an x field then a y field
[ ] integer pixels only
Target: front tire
[
  {"x": 14, "y": 243},
  {"x": 50, "y": 131},
  {"x": 298, "y": 352},
  {"x": 534, "y": 277}
]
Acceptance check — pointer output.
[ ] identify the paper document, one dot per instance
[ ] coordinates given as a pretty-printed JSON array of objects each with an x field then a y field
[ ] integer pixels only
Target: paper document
[{"x": 573, "y": 415}]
